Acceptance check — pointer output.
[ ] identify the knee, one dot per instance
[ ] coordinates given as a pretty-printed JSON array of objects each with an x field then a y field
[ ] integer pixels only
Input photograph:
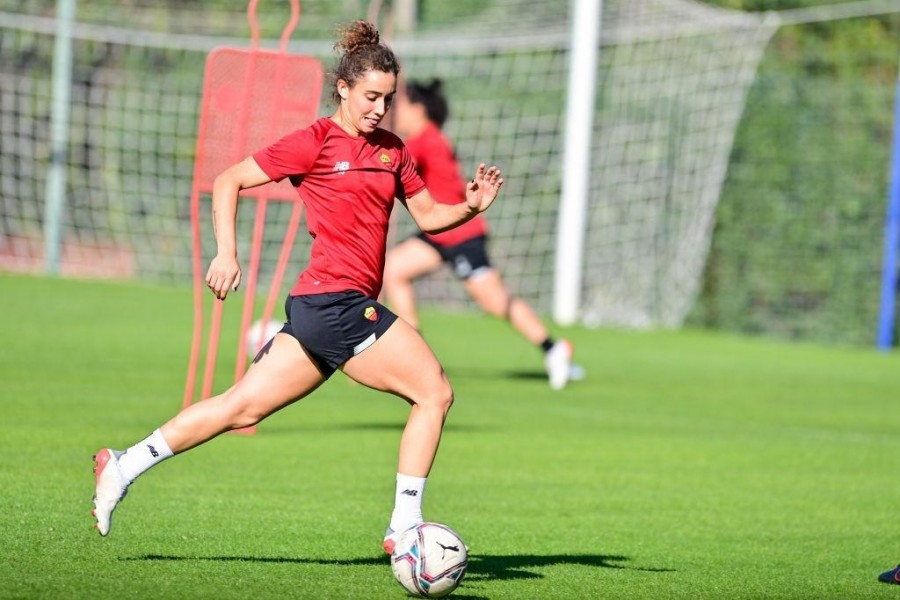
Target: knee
[
  {"x": 242, "y": 411},
  {"x": 447, "y": 399},
  {"x": 443, "y": 395},
  {"x": 496, "y": 306},
  {"x": 440, "y": 396}
]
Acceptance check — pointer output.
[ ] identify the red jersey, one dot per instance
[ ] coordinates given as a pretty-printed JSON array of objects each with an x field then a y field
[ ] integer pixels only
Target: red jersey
[
  {"x": 436, "y": 163},
  {"x": 348, "y": 185}
]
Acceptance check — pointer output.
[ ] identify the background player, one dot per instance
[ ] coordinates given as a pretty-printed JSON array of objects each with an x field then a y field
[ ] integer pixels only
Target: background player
[{"x": 419, "y": 114}]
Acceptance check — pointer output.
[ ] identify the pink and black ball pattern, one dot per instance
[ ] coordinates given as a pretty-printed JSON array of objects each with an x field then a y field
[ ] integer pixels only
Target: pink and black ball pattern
[{"x": 429, "y": 560}]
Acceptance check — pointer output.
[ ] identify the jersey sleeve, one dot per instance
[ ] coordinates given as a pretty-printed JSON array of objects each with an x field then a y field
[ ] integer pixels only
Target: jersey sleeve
[{"x": 291, "y": 156}]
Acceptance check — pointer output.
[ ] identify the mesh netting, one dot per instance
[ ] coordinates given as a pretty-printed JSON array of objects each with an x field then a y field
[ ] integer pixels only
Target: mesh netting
[{"x": 672, "y": 79}]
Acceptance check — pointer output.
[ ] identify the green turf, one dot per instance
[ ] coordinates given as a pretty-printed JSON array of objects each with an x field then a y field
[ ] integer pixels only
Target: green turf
[{"x": 689, "y": 465}]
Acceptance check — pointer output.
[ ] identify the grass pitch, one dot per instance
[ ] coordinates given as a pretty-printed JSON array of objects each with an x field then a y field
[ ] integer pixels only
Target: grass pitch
[{"x": 688, "y": 465}]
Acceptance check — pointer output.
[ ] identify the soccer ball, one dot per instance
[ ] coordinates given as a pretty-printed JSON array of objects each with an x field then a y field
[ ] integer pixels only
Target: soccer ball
[
  {"x": 258, "y": 335},
  {"x": 429, "y": 560}
]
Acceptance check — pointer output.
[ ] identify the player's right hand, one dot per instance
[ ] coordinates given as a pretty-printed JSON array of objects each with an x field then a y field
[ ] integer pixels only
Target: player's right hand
[
  {"x": 224, "y": 274},
  {"x": 484, "y": 187}
]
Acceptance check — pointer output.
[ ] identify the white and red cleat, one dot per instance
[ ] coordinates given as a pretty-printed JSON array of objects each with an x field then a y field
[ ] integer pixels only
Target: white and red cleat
[
  {"x": 558, "y": 362},
  {"x": 111, "y": 487},
  {"x": 390, "y": 540}
]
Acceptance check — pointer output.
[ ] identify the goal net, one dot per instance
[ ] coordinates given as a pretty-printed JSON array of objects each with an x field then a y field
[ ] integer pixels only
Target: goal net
[{"x": 671, "y": 82}]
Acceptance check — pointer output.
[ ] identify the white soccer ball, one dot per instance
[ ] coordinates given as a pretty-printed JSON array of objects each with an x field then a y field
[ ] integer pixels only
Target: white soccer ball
[
  {"x": 258, "y": 335},
  {"x": 429, "y": 560}
]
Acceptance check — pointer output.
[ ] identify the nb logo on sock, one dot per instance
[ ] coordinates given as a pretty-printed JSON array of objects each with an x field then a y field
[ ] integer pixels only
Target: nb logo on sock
[
  {"x": 409, "y": 493},
  {"x": 153, "y": 451}
]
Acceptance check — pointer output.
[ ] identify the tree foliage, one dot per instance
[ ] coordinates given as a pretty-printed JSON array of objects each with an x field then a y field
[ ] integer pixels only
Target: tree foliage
[{"x": 798, "y": 245}]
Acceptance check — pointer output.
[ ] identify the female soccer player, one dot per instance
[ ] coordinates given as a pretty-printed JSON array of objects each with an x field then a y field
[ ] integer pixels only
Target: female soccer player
[
  {"x": 348, "y": 172},
  {"x": 419, "y": 115}
]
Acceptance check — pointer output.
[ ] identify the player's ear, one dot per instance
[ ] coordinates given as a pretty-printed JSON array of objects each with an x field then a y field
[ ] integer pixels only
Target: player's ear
[{"x": 343, "y": 89}]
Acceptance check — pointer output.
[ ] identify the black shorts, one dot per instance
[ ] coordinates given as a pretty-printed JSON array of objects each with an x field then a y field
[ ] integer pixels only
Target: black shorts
[
  {"x": 336, "y": 326},
  {"x": 466, "y": 259}
]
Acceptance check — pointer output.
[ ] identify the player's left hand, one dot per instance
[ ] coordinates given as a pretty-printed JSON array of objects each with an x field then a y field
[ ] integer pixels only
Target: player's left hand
[{"x": 483, "y": 188}]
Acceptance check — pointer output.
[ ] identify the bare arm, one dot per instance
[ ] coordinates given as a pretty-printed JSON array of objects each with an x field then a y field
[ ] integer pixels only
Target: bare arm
[
  {"x": 434, "y": 217},
  {"x": 224, "y": 271}
]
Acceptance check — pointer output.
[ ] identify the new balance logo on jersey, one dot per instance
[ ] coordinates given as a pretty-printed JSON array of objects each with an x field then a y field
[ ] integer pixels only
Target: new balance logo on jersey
[
  {"x": 153, "y": 451},
  {"x": 342, "y": 166},
  {"x": 410, "y": 493}
]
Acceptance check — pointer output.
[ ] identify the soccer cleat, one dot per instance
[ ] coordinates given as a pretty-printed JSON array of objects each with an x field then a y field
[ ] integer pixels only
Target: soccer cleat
[
  {"x": 892, "y": 576},
  {"x": 558, "y": 362},
  {"x": 391, "y": 537},
  {"x": 390, "y": 540},
  {"x": 111, "y": 487}
]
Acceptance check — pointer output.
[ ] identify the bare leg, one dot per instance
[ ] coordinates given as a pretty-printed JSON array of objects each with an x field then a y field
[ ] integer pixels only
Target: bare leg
[
  {"x": 488, "y": 291},
  {"x": 282, "y": 375},
  {"x": 401, "y": 362},
  {"x": 404, "y": 264}
]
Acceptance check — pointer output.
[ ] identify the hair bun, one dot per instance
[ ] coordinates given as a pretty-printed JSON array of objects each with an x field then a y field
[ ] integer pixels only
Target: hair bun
[{"x": 357, "y": 35}]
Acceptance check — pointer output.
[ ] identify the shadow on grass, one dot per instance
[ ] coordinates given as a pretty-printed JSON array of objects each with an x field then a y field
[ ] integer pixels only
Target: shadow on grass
[
  {"x": 481, "y": 567},
  {"x": 380, "y": 560},
  {"x": 515, "y": 566},
  {"x": 398, "y": 426},
  {"x": 469, "y": 372},
  {"x": 524, "y": 375}
]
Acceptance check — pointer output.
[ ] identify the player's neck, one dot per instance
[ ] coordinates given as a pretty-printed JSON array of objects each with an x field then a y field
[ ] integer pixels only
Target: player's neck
[{"x": 346, "y": 124}]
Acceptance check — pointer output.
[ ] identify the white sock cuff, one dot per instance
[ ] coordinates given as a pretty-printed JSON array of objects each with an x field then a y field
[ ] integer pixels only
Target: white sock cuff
[
  {"x": 150, "y": 451},
  {"x": 411, "y": 482},
  {"x": 156, "y": 441},
  {"x": 407, "y": 502}
]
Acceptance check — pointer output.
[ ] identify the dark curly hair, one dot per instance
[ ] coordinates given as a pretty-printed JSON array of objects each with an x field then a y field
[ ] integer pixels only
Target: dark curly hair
[
  {"x": 431, "y": 96},
  {"x": 362, "y": 51}
]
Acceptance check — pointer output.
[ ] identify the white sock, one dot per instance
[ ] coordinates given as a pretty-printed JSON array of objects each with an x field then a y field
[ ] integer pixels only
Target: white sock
[
  {"x": 143, "y": 455},
  {"x": 407, "y": 502}
]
